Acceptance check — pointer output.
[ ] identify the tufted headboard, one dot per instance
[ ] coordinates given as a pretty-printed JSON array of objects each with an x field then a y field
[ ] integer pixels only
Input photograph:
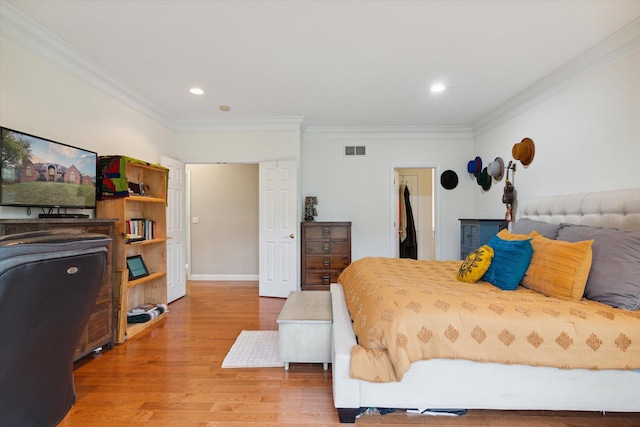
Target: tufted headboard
[{"x": 610, "y": 209}]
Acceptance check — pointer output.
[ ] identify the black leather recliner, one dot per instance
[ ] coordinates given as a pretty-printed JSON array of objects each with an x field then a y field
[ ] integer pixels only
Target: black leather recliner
[{"x": 49, "y": 282}]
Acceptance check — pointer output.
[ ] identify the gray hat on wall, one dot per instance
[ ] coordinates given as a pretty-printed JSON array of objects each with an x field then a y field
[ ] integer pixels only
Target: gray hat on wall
[{"x": 496, "y": 168}]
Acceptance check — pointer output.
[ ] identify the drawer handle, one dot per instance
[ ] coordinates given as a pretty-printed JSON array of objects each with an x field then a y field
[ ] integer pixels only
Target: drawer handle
[
  {"x": 325, "y": 231},
  {"x": 326, "y": 262},
  {"x": 326, "y": 278},
  {"x": 326, "y": 247}
]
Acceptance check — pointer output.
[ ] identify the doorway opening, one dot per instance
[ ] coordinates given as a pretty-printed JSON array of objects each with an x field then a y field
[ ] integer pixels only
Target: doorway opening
[
  {"x": 244, "y": 224},
  {"x": 223, "y": 221},
  {"x": 419, "y": 181}
]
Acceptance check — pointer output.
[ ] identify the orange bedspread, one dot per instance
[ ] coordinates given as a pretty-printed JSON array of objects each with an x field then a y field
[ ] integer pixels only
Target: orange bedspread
[{"x": 405, "y": 310}]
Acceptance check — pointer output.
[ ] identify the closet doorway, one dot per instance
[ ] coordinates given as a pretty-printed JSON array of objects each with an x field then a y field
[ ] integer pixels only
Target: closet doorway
[{"x": 419, "y": 182}]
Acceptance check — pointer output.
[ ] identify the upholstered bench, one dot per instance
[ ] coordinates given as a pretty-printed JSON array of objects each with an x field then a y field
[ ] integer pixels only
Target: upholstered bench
[{"x": 304, "y": 326}]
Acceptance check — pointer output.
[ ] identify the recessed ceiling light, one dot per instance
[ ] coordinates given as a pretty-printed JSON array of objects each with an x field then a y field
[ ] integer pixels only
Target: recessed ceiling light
[
  {"x": 196, "y": 91},
  {"x": 438, "y": 87}
]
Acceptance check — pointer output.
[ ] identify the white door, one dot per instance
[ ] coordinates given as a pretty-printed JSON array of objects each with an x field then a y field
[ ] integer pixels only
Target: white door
[
  {"x": 176, "y": 230},
  {"x": 278, "y": 254},
  {"x": 395, "y": 232}
]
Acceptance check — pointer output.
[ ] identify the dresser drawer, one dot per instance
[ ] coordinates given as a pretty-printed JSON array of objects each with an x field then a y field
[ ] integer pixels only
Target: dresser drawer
[
  {"x": 321, "y": 277},
  {"x": 469, "y": 234},
  {"x": 329, "y": 262},
  {"x": 327, "y": 248},
  {"x": 328, "y": 232},
  {"x": 99, "y": 325},
  {"x": 98, "y": 331},
  {"x": 477, "y": 232}
]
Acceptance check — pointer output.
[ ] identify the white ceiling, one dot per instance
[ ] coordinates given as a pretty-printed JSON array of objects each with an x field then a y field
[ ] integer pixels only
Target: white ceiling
[{"x": 335, "y": 63}]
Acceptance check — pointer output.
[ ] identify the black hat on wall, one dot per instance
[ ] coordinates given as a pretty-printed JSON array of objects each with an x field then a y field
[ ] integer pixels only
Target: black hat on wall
[{"x": 449, "y": 179}]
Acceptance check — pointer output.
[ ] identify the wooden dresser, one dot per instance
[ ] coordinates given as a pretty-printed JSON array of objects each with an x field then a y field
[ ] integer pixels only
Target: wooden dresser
[
  {"x": 326, "y": 251},
  {"x": 99, "y": 330}
]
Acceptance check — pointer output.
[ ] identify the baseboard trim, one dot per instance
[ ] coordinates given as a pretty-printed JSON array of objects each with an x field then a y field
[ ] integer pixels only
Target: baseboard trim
[{"x": 225, "y": 277}]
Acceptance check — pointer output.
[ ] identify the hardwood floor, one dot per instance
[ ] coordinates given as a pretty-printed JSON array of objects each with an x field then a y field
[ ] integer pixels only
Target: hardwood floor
[{"x": 170, "y": 376}]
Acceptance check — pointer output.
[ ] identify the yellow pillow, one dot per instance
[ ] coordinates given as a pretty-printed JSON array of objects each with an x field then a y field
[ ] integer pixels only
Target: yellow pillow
[
  {"x": 558, "y": 269},
  {"x": 505, "y": 234},
  {"x": 475, "y": 265}
]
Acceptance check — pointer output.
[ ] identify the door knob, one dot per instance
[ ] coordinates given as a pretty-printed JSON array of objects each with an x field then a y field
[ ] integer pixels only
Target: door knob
[{"x": 292, "y": 236}]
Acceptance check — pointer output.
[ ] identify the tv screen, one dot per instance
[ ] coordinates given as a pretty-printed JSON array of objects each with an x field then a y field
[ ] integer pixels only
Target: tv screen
[{"x": 38, "y": 172}]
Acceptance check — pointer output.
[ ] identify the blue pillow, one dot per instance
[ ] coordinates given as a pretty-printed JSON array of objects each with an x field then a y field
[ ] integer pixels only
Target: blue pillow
[{"x": 510, "y": 261}]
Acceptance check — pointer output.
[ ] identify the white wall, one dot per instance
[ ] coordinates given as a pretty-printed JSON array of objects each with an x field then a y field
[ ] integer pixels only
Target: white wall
[
  {"x": 40, "y": 99},
  {"x": 224, "y": 199},
  {"x": 587, "y": 138},
  {"x": 360, "y": 189},
  {"x": 237, "y": 146}
]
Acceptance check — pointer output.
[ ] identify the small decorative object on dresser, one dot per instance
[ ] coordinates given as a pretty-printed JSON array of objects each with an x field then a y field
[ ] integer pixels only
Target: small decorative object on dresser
[
  {"x": 310, "y": 211},
  {"x": 326, "y": 251}
]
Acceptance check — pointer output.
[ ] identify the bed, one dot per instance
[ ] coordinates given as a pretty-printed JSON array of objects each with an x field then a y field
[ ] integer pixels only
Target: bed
[{"x": 454, "y": 382}]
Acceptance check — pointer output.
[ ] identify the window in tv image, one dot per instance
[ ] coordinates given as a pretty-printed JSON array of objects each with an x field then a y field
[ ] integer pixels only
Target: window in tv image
[{"x": 38, "y": 172}]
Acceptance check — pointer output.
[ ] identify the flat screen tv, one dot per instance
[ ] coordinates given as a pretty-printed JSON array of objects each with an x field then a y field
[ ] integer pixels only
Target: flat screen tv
[{"x": 38, "y": 172}]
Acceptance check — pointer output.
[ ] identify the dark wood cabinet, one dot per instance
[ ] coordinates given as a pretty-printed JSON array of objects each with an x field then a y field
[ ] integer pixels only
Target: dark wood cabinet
[
  {"x": 99, "y": 330},
  {"x": 326, "y": 251}
]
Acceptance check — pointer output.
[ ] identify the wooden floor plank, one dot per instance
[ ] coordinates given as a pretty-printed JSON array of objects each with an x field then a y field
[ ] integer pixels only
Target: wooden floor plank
[{"x": 170, "y": 375}]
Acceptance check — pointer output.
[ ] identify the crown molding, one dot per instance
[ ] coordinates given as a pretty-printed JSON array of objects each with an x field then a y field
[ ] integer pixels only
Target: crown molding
[
  {"x": 389, "y": 132},
  {"x": 28, "y": 34},
  {"x": 607, "y": 51},
  {"x": 240, "y": 124}
]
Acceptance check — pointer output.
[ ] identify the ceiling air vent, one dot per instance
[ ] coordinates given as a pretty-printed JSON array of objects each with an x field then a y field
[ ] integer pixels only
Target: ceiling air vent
[{"x": 358, "y": 150}]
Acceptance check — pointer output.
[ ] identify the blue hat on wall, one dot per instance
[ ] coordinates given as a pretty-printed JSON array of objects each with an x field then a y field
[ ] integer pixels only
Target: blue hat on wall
[{"x": 475, "y": 166}]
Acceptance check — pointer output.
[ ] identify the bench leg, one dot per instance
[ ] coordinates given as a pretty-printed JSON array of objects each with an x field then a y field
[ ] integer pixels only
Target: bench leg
[
  {"x": 325, "y": 365},
  {"x": 286, "y": 366},
  {"x": 348, "y": 415}
]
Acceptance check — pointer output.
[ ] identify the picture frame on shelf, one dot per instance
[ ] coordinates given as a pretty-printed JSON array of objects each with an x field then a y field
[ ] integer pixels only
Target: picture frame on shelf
[
  {"x": 136, "y": 266},
  {"x": 137, "y": 189}
]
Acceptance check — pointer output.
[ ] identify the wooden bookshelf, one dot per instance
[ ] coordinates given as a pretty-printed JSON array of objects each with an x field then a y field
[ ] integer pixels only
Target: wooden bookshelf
[{"x": 151, "y": 206}]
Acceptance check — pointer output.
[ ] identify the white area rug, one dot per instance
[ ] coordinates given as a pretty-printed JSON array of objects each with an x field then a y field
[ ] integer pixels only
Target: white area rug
[{"x": 254, "y": 349}]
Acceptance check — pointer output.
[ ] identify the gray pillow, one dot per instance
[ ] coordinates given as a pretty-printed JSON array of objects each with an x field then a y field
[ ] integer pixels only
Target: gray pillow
[
  {"x": 614, "y": 278},
  {"x": 526, "y": 226}
]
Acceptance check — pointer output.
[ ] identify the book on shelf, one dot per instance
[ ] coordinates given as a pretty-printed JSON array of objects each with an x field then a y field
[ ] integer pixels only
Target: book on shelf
[
  {"x": 146, "y": 312},
  {"x": 133, "y": 238},
  {"x": 143, "y": 227},
  {"x": 143, "y": 308}
]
